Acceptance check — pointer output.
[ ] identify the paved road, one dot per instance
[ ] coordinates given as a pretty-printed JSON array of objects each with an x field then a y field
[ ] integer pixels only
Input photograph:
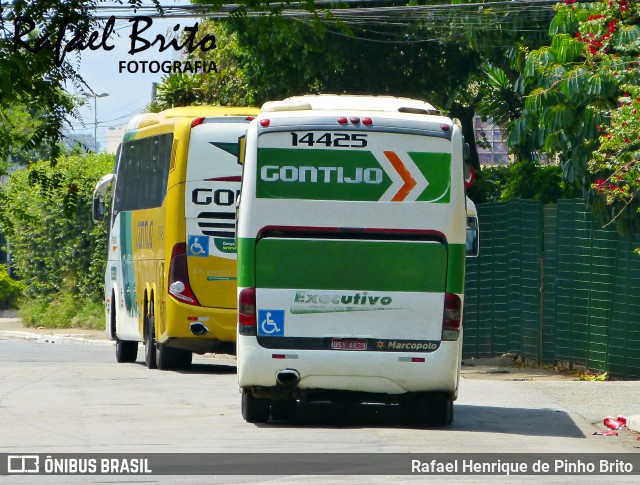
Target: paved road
[{"x": 61, "y": 398}]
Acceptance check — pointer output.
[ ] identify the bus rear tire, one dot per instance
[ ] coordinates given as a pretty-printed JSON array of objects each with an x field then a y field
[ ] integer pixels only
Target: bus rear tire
[
  {"x": 434, "y": 409},
  {"x": 150, "y": 343},
  {"x": 283, "y": 409},
  {"x": 126, "y": 351},
  {"x": 255, "y": 409},
  {"x": 439, "y": 410}
]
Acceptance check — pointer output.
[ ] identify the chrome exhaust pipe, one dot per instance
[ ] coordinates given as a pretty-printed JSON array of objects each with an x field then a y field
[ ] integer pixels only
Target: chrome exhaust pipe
[
  {"x": 198, "y": 328},
  {"x": 287, "y": 377}
]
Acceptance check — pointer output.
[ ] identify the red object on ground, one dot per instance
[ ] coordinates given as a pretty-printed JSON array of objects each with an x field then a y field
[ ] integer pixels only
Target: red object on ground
[{"x": 615, "y": 423}]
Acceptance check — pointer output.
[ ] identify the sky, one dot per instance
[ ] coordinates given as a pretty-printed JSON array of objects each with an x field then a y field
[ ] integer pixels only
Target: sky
[{"x": 128, "y": 93}]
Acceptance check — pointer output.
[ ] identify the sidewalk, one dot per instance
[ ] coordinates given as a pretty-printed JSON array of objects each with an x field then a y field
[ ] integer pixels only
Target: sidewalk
[{"x": 11, "y": 327}]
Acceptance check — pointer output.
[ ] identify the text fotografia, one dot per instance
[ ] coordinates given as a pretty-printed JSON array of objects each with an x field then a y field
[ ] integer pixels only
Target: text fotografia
[
  {"x": 505, "y": 467},
  {"x": 167, "y": 67},
  {"x": 64, "y": 40}
]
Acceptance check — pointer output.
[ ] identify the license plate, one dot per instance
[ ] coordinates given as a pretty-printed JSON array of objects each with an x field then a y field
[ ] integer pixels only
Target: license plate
[{"x": 348, "y": 344}]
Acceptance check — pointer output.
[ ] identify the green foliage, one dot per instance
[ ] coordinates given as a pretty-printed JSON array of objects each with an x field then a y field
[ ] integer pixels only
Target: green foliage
[
  {"x": 525, "y": 179},
  {"x": 16, "y": 131},
  {"x": 584, "y": 98},
  {"x": 593, "y": 377},
  {"x": 528, "y": 179},
  {"x": 271, "y": 57},
  {"x": 489, "y": 184},
  {"x": 10, "y": 290},
  {"x": 63, "y": 310},
  {"x": 46, "y": 218}
]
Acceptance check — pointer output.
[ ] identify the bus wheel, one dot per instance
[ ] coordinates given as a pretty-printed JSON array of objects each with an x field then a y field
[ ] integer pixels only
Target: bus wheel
[
  {"x": 255, "y": 409},
  {"x": 126, "y": 351},
  {"x": 150, "y": 343},
  {"x": 283, "y": 409},
  {"x": 439, "y": 409}
]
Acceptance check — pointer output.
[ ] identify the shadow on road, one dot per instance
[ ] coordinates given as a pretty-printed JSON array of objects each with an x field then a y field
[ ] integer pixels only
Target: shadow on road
[
  {"x": 199, "y": 368},
  {"x": 209, "y": 369},
  {"x": 485, "y": 419}
]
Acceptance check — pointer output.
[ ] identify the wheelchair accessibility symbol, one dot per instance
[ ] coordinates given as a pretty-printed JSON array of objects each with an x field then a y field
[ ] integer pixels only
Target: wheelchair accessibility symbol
[
  {"x": 271, "y": 323},
  {"x": 198, "y": 246}
]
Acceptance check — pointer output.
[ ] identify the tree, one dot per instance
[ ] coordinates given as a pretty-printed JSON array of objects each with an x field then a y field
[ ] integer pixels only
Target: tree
[
  {"x": 39, "y": 77},
  {"x": 580, "y": 109},
  {"x": 464, "y": 59},
  {"x": 267, "y": 58},
  {"x": 35, "y": 79}
]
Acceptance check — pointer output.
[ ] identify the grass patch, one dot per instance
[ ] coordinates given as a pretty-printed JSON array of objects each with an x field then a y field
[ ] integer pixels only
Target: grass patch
[
  {"x": 63, "y": 311},
  {"x": 594, "y": 377}
]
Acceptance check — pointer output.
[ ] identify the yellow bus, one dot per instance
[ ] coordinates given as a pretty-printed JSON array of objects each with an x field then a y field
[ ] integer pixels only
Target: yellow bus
[{"x": 170, "y": 279}]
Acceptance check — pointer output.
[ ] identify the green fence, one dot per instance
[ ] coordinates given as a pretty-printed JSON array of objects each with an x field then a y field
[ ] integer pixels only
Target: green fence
[{"x": 552, "y": 285}]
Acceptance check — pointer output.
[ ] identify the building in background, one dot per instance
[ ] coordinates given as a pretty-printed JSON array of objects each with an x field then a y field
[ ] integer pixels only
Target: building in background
[
  {"x": 492, "y": 148},
  {"x": 71, "y": 139},
  {"x": 114, "y": 137}
]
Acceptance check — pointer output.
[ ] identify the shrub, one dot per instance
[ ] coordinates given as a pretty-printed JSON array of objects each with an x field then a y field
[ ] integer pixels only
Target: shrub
[
  {"x": 58, "y": 252},
  {"x": 46, "y": 218},
  {"x": 10, "y": 290}
]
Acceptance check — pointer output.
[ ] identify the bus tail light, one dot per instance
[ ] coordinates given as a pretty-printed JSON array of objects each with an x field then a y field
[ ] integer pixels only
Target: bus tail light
[
  {"x": 247, "y": 312},
  {"x": 452, "y": 316},
  {"x": 197, "y": 121},
  {"x": 179, "y": 286}
]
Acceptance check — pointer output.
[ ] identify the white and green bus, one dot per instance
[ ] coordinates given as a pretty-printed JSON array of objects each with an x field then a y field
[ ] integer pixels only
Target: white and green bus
[{"x": 352, "y": 230}]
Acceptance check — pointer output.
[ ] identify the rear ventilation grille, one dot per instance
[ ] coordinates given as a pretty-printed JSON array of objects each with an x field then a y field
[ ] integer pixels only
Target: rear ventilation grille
[{"x": 217, "y": 224}]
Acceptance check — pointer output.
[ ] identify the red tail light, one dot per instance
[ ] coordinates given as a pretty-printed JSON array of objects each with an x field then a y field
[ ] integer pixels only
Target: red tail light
[
  {"x": 452, "y": 316},
  {"x": 247, "y": 312},
  {"x": 179, "y": 286},
  {"x": 197, "y": 121}
]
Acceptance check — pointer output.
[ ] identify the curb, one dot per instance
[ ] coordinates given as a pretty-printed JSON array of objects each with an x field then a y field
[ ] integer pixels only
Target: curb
[
  {"x": 633, "y": 423},
  {"x": 55, "y": 339}
]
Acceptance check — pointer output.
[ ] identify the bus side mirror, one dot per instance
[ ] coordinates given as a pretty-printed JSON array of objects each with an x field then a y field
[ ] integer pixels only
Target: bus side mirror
[
  {"x": 98, "y": 210},
  {"x": 473, "y": 237},
  {"x": 99, "y": 196}
]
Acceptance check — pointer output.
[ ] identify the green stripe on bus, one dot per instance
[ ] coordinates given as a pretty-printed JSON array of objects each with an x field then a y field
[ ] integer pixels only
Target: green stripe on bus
[
  {"x": 246, "y": 262},
  {"x": 349, "y": 265},
  {"x": 456, "y": 268}
]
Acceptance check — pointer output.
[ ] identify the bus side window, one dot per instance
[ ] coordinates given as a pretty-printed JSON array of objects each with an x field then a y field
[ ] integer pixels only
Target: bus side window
[{"x": 473, "y": 237}]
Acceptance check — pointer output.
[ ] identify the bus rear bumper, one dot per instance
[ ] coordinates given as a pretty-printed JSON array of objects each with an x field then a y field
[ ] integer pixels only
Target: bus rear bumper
[
  {"x": 384, "y": 373},
  {"x": 200, "y": 329}
]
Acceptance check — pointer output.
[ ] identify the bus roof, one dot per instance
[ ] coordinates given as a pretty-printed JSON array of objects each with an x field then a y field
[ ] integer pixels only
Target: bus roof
[
  {"x": 361, "y": 103},
  {"x": 149, "y": 119}
]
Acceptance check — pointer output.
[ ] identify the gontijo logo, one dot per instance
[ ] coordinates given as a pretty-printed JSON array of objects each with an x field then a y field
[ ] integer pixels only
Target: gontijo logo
[
  {"x": 319, "y": 174},
  {"x": 328, "y": 175}
]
